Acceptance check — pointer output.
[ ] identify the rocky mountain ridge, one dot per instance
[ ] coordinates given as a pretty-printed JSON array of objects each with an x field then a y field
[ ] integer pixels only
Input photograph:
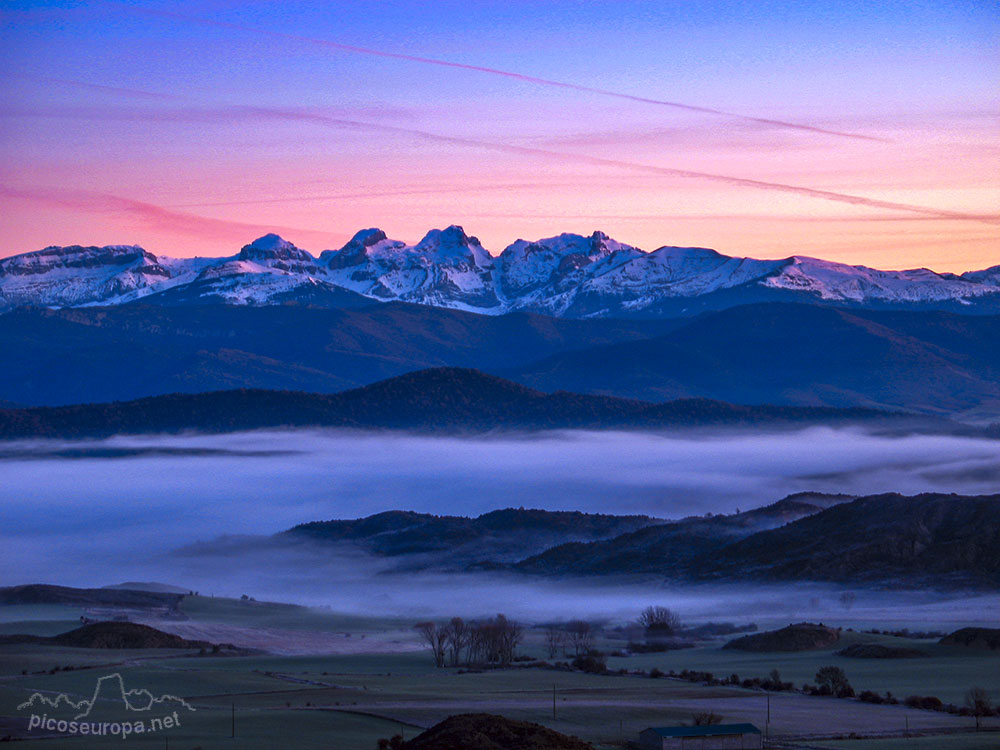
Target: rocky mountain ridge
[{"x": 568, "y": 275}]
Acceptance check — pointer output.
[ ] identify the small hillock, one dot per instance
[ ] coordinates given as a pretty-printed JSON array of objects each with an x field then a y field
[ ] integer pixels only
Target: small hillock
[
  {"x": 803, "y": 636},
  {"x": 115, "y": 635},
  {"x": 879, "y": 651},
  {"x": 984, "y": 638},
  {"x": 492, "y": 732}
]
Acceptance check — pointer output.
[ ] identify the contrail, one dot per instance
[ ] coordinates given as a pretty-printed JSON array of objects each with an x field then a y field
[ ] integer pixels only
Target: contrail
[
  {"x": 277, "y": 113},
  {"x": 368, "y": 194},
  {"x": 117, "y": 90},
  {"x": 829, "y": 195},
  {"x": 158, "y": 217},
  {"x": 510, "y": 74}
]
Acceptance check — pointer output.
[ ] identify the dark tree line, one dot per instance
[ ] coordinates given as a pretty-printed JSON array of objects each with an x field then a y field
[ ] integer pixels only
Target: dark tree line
[{"x": 457, "y": 642}]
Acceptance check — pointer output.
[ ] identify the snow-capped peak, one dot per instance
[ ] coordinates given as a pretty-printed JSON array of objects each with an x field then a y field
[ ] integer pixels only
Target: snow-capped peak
[
  {"x": 452, "y": 244},
  {"x": 270, "y": 241},
  {"x": 75, "y": 256},
  {"x": 566, "y": 275},
  {"x": 77, "y": 275},
  {"x": 558, "y": 264},
  {"x": 842, "y": 282},
  {"x": 367, "y": 237},
  {"x": 359, "y": 249},
  {"x": 271, "y": 247}
]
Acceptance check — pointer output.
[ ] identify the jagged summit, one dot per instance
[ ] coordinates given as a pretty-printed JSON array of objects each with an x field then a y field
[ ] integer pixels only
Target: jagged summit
[
  {"x": 75, "y": 256},
  {"x": 271, "y": 247},
  {"x": 270, "y": 241},
  {"x": 368, "y": 237},
  {"x": 568, "y": 275}
]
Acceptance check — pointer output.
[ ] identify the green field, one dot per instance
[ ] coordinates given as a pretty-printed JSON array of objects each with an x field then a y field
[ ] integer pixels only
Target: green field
[
  {"x": 347, "y": 701},
  {"x": 948, "y": 673},
  {"x": 970, "y": 741}
]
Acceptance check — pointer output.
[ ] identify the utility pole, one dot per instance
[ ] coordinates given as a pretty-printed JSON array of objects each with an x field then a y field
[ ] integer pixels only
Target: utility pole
[
  {"x": 553, "y": 701},
  {"x": 767, "y": 724}
]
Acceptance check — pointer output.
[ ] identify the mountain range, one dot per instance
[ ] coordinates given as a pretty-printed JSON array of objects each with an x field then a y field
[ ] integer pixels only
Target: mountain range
[
  {"x": 949, "y": 541},
  {"x": 449, "y": 400},
  {"x": 930, "y": 362},
  {"x": 570, "y": 275}
]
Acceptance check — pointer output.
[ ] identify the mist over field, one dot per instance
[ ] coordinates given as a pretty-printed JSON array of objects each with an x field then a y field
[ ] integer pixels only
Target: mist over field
[{"x": 101, "y": 512}]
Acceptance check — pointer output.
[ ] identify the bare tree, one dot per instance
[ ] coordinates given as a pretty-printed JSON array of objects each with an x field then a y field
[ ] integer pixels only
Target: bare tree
[
  {"x": 435, "y": 638},
  {"x": 511, "y": 635},
  {"x": 555, "y": 637},
  {"x": 977, "y": 699},
  {"x": 456, "y": 635},
  {"x": 659, "y": 620},
  {"x": 581, "y": 636},
  {"x": 493, "y": 641},
  {"x": 847, "y": 599}
]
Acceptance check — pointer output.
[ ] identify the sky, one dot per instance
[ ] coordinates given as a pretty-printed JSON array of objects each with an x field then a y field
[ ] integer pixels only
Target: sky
[{"x": 860, "y": 132}]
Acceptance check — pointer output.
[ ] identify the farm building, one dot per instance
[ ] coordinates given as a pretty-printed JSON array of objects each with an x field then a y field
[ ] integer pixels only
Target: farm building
[{"x": 711, "y": 737}]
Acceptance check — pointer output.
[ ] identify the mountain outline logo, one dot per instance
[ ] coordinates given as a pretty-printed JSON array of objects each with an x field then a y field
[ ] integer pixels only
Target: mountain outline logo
[{"x": 140, "y": 694}]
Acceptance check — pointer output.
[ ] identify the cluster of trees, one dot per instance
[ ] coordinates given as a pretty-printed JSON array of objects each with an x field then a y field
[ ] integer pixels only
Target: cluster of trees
[
  {"x": 833, "y": 681},
  {"x": 907, "y": 633},
  {"x": 574, "y": 638},
  {"x": 870, "y": 696},
  {"x": 659, "y": 621},
  {"x": 457, "y": 642},
  {"x": 977, "y": 704}
]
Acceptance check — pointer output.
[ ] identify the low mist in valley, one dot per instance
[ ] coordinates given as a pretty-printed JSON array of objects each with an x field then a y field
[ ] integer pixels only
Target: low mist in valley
[{"x": 126, "y": 509}]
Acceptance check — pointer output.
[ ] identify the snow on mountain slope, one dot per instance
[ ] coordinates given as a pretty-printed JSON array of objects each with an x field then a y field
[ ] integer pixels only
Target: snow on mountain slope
[
  {"x": 671, "y": 272},
  {"x": 568, "y": 275},
  {"x": 538, "y": 274},
  {"x": 841, "y": 282},
  {"x": 75, "y": 275},
  {"x": 447, "y": 268},
  {"x": 268, "y": 269},
  {"x": 274, "y": 253},
  {"x": 988, "y": 276}
]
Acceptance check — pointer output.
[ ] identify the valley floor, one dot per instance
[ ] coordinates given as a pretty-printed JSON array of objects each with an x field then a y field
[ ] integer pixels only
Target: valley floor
[{"x": 375, "y": 681}]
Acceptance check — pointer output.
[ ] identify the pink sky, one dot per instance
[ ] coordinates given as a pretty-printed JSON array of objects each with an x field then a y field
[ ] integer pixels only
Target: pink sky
[{"x": 194, "y": 135}]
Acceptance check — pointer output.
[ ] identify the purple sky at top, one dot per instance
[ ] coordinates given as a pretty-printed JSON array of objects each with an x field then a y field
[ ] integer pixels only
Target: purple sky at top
[{"x": 856, "y": 131}]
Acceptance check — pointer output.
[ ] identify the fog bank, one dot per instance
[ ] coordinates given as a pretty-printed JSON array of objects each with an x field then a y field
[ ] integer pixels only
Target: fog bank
[{"x": 92, "y": 513}]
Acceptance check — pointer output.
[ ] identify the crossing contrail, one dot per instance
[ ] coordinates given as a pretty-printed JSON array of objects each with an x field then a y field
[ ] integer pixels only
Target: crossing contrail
[
  {"x": 510, "y": 74},
  {"x": 829, "y": 195},
  {"x": 244, "y": 112}
]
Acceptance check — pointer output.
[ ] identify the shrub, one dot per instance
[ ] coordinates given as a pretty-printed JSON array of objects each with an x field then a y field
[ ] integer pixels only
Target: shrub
[
  {"x": 647, "y": 648},
  {"x": 706, "y": 718},
  {"x": 926, "y": 702},
  {"x": 592, "y": 662}
]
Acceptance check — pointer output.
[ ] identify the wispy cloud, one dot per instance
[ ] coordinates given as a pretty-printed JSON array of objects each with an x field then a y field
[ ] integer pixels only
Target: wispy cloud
[
  {"x": 150, "y": 215},
  {"x": 828, "y": 195},
  {"x": 326, "y": 43},
  {"x": 463, "y": 190},
  {"x": 98, "y": 87},
  {"x": 247, "y": 113}
]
